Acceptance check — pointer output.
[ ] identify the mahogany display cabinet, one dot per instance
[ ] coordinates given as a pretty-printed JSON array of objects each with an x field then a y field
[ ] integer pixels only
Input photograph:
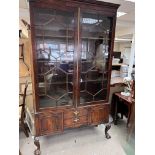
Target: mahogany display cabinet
[{"x": 72, "y": 48}]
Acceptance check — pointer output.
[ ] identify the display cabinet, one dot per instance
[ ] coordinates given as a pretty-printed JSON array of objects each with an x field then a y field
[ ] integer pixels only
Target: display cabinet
[{"x": 72, "y": 45}]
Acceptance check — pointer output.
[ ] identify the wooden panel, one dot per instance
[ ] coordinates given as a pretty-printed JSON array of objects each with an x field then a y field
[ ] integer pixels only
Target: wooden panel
[
  {"x": 50, "y": 123},
  {"x": 82, "y": 121},
  {"x": 100, "y": 114},
  {"x": 75, "y": 122},
  {"x": 68, "y": 123},
  {"x": 71, "y": 113}
]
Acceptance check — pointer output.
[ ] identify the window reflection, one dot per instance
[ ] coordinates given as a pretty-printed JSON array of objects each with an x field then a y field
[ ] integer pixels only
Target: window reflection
[
  {"x": 54, "y": 32},
  {"x": 94, "y": 57}
]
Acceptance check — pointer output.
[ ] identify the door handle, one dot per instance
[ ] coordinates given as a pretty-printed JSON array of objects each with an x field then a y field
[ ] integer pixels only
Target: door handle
[
  {"x": 76, "y": 119},
  {"x": 76, "y": 113}
]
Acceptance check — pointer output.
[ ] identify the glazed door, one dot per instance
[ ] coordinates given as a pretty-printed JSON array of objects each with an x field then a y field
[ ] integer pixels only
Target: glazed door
[
  {"x": 94, "y": 56},
  {"x": 54, "y": 40}
]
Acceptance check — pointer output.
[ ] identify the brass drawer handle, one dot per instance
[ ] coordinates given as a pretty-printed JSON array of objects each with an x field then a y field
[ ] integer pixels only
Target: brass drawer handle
[
  {"x": 76, "y": 119},
  {"x": 76, "y": 112}
]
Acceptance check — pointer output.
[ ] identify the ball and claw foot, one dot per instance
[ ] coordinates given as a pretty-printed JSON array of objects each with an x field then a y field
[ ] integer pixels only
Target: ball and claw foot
[
  {"x": 106, "y": 131},
  {"x": 37, "y": 152},
  {"x": 37, "y": 144}
]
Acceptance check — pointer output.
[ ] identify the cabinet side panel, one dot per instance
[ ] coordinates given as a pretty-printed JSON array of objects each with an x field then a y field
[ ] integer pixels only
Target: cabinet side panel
[
  {"x": 100, "y": 115},
  {"x": 113, "y": 25},
  {"x": 33, "y": 63}
]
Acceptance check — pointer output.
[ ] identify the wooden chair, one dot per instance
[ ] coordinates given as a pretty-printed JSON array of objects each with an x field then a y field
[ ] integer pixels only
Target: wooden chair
[{"x": 22, "y": 124}]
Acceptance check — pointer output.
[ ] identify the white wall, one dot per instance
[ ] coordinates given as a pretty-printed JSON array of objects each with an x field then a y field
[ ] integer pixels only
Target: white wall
[
  {"x": 116, "y": 46},
  {"x": 124, "y": 48},
  {"x": 120, "y": 46}
]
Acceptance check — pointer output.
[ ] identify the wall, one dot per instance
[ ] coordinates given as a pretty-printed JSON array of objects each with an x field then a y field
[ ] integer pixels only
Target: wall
[
  {"x": 23, "y": 71},
  {"x": 120, "y": 46},
  {"x": 116, "y": 46},
  {"x": 124, "y": 48}
]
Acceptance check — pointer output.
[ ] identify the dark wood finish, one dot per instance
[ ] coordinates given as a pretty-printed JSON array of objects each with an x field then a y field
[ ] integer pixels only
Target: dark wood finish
[
  {"x": 78, "y": 112},
  {"x": 75, "y": 122},
  {"x": 33, "y": 62},
  {"x": 54, "y": 113},
  {"x": 126, "y": 100},
  {"x": 111, "y": 52},
  {"x": 22, "y": 124},
  {"x": 100, "y": 115},
  {"x": 69, "y": 5},
  {"x": 50, "y": 123}
]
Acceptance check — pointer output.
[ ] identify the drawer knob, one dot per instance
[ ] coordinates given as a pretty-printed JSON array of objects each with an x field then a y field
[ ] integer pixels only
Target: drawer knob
[
  {"x": 76, "y": 119},
  {"x": 76, "y": 112}
]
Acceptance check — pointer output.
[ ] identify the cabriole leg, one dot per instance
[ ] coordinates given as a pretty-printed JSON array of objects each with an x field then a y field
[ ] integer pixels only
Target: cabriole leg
[
  {"x": 37, "y": 144},
  {"x": 107, "y": 127}
]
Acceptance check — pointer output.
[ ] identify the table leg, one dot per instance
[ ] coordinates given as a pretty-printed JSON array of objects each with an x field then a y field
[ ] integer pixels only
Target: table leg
[
  {"x": 129, "y": 114},
  {"x": 115, "y": 114}
]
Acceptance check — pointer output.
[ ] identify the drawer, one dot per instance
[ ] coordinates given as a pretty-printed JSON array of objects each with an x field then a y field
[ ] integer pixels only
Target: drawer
[
  {"x": 77, "y": 112},
  {"x": 50, "y": 123},
  {"x": 75, "y": 121},
  {"x": 100, "y": 114}
]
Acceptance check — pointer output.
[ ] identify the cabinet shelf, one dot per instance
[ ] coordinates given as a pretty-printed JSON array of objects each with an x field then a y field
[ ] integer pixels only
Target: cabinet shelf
[
  {"x": 54, "y": 83},
  {"x": 69, "y": 37},
  {"x": 51, "y": 37},
  {"x": 94, "y": 80}
]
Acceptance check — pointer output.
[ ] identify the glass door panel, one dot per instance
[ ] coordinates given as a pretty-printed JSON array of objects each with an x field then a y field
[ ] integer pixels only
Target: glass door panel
[
  {"x": 54, "y": 35},
  {"x": 95, "y": 38}
]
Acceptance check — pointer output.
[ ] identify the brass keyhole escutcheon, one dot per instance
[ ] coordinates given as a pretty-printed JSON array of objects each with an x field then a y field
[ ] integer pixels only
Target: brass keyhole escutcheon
[{"x": 76, "y": 112}]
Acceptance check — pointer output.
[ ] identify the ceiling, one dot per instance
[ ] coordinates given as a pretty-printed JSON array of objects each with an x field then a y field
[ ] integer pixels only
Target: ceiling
[{"x": 124, "y": 25}]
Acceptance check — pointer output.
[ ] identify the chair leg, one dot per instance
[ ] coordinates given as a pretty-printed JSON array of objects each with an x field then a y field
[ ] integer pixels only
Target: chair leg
[
  {"x": 23, "y": 126},
  {"x": 26, "y": 131}
]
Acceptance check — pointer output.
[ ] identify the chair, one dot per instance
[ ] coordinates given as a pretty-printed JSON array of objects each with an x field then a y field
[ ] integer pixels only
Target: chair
[{"x": 22, "y": 124}]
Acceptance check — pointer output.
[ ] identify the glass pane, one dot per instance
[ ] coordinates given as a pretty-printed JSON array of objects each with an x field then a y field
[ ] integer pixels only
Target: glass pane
[
  {"x": 54, "y": 35},
  {"x": 45, "y": 101},
  {"x": 85, "y": 97},
  {"x": 94, "y": 57}
]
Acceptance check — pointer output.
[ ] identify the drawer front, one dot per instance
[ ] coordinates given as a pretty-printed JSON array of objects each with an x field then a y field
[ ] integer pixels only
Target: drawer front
[
  {"x": 100, "y": 114},
  {"x": 75, "y": 122},
  {"x": 50, "y": 123},
  {"x": 77, "y": 112}
]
